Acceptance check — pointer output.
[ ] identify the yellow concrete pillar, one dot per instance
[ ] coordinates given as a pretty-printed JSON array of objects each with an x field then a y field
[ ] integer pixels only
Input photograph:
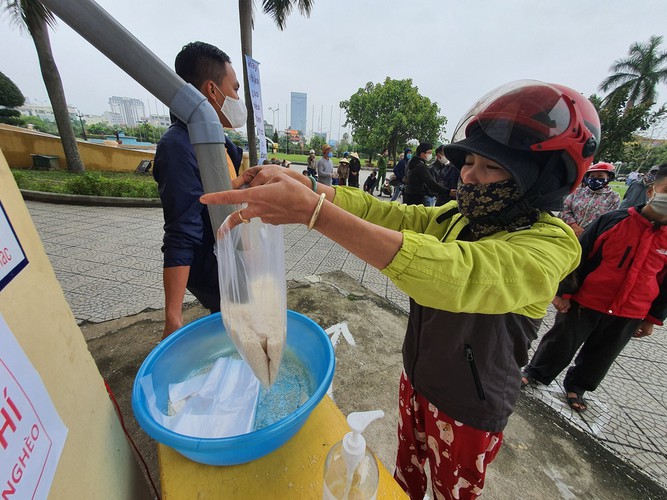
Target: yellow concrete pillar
[{"x": 97, "y": 461}]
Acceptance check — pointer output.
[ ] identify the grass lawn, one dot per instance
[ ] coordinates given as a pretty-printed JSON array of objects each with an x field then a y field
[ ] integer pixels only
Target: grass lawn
[
  {"x": 619, "y": 187},
  {"x": 297, "y": 158},
  {"x": 119, "y": 184}
]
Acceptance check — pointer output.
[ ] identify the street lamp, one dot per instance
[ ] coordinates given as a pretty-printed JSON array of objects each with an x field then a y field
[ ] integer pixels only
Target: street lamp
[
  {"x": 274, "y": 111},
  {"x": 273, "y": 122},
  {"x": 83, "y": 130}
]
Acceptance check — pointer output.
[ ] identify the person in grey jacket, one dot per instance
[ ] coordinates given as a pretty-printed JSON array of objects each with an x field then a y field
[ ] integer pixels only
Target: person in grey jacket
[
  {"x": 325, "y": 166},
  {"x": 636, "y": 193}
]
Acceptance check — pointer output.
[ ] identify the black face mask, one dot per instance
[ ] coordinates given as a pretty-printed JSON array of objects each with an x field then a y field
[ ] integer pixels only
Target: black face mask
[
  {"x": 595, "y": 184},
  {"x": 483, "y": 201}
]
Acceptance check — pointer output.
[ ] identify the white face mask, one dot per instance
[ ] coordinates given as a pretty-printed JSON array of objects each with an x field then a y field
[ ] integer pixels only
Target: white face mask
[
  {"x": 234, "y": 110},
  {"x": 429, "y": 157},
  {"x": 659, "y": 204}
]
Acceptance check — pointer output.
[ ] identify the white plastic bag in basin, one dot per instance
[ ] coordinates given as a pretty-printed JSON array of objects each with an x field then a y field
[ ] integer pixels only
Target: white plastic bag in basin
[
  {"x": 253, "y": 301},
  {"x": 221, "y": 403}
]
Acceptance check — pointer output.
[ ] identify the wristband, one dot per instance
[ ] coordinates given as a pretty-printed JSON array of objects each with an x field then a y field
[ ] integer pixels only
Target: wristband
[{"x": 316, "y": 212}]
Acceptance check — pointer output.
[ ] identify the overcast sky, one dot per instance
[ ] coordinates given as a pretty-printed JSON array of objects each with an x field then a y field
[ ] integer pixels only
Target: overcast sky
[{"x": 454, "y": 51}]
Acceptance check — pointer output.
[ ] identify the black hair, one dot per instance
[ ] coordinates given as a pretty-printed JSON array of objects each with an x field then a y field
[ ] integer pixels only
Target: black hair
[
  {"x": 407, "y": 150},
  {"x": 200, "y": 61},
  {"x": 440, "y": 150},
  {"x": 661, "y": 174},
  {"x": 423, "y": 147}
]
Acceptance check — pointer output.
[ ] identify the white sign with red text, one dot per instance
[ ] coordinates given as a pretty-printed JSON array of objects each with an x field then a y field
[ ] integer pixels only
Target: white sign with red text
[
  {"x": 32, "y": 435},
  {"x": 12, "y": 258}
]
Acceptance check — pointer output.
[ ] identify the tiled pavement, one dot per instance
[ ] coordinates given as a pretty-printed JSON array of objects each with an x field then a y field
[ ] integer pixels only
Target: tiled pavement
[{"x": 108, "y": 262}]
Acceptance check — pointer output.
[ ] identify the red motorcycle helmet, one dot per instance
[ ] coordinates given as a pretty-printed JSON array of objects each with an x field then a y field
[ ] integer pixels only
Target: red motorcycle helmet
[
  {"x": 532, "y": 116},
  {"x": 603, "y": 167}
]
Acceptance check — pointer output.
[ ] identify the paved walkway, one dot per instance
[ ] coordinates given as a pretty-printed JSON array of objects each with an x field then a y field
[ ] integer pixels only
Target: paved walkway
[{"x": 108, "y": 262}]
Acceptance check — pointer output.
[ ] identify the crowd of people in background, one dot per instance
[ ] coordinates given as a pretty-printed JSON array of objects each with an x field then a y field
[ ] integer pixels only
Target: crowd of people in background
[{"x": 419, "y": 178}]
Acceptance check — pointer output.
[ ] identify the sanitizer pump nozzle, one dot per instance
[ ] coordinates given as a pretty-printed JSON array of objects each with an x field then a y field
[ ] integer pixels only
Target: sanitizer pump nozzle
[{"x": 339, "y": 483}]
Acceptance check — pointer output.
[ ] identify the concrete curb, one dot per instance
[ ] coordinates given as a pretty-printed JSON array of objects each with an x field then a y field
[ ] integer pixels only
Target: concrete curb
[{"x": 77, "y": 199}]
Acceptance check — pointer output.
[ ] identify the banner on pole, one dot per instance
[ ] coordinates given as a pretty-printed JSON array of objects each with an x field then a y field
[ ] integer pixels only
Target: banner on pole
[{"x": 256, "y": 96}]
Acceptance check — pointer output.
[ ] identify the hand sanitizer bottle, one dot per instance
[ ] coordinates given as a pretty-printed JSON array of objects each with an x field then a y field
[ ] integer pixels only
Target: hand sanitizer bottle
[{"x": 350, "y": 469}]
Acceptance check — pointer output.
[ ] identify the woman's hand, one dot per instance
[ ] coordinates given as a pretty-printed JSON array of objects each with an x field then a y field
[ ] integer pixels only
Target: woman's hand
[
  {"x": 562, "y": 305},
  {"x": 274, "y": 194},
  {"x": 644, "y": 329},
  {"x": 578, "y": 230},
  {"x": 263, "y": 174}
]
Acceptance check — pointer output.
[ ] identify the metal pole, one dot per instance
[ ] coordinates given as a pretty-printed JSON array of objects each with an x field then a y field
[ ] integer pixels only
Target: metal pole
[
  {"x": 83, "y": 130},
  {"x": 340, "y": 112}
]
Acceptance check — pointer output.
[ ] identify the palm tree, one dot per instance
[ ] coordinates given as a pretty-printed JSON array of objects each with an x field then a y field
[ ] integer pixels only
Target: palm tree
[
  {"x": 36, "y": 18},
  {"x": 279, "y": 10},
  {"x": 638, "y": 75}
]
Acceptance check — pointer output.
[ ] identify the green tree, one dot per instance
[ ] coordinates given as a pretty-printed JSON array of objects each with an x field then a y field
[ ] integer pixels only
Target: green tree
[
  {"x": 101, "y": 129},
  {"x": 279, "y": 10},
  {"x": 316, "y": 143},
  {"x": 39, "y": 124},
  {"x": 648, "y": 147},
  {"x": 619, "y": 124},
  {"x": 343, "y": 144},
  {"x": 237, "y": 138},
  {"x": 638, "y": 75},
  {"x": 656, "y": 155},
  {"x": 36, "y": 18},
  {"x": 390, "y": 114},
  {"x": 10, "y": 97},
  {"x": 275, "y": 136}
]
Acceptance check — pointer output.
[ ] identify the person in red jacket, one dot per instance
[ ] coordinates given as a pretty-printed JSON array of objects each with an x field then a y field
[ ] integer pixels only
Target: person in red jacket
[{"x": 618, "y": 292}]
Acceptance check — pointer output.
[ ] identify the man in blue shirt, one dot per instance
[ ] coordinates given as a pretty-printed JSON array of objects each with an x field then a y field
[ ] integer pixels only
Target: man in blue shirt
[{"x": 188, "y": 242}]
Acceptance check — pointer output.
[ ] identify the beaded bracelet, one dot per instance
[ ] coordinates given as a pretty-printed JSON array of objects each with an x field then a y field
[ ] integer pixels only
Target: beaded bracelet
[
  {"x": 316, "y": 212},
  {"x": 314, "y": 181}
]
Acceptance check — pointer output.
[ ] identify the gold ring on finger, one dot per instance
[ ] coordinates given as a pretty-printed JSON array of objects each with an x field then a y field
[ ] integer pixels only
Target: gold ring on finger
[{"x": 245, "y": 221}]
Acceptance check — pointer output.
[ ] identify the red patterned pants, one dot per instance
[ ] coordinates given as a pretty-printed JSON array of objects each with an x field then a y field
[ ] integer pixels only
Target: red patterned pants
[{"x": 458, "y": 454}]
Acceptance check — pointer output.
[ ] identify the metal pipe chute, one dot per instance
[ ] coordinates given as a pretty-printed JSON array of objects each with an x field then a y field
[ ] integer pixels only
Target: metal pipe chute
[{"x": 107, "y": 35}]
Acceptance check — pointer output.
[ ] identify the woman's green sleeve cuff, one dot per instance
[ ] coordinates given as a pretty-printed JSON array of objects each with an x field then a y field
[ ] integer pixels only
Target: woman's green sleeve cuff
[{"x": 405, "y": 256}]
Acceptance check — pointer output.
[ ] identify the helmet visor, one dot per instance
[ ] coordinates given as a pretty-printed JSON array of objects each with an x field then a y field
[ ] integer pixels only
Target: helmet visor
[{"x": 521, "y": 115}]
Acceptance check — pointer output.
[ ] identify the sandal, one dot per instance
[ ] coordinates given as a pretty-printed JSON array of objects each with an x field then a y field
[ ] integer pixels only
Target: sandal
[{"x": 576, "y": 402}]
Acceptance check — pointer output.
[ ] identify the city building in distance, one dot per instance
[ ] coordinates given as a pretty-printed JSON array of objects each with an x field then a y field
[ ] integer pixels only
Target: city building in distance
[
  {"x": 44, "y": 111},
  {"x": 131, "y": 110},
  {"x": 299, "y": 105}
]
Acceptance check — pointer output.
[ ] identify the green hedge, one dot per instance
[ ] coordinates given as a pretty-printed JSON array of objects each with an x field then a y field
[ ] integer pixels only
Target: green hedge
[{"x": 88, "y": 183}]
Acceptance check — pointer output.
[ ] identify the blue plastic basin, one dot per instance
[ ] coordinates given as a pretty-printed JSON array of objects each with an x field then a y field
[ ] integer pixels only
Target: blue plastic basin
[{"x": 206, "y": 339}]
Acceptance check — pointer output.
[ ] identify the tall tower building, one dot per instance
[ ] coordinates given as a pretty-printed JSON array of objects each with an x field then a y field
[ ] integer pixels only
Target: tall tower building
[
  {"x": 299, "y": 105},
  {"x": 130, "y": 110}
]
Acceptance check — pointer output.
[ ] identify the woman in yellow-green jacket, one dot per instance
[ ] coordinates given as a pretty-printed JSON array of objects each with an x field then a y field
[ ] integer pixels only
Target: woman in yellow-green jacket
[{"x": 480, "y": 271}]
